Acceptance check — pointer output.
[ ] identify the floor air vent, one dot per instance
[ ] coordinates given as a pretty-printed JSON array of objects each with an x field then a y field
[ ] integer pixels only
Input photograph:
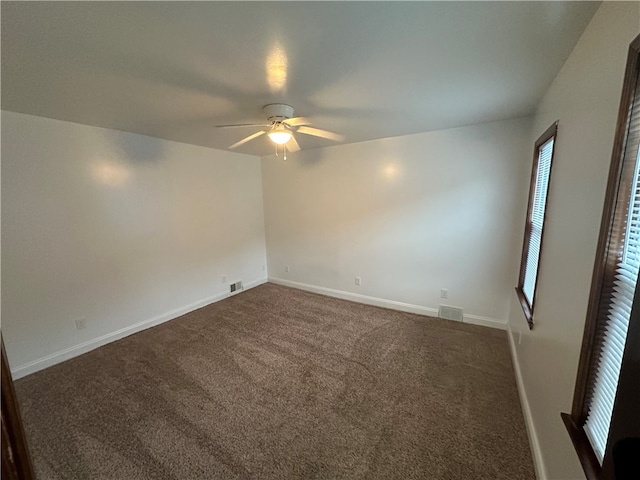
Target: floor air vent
[
  {"x": 450, "y": 313},
  {"x": 236, "y": 287}
]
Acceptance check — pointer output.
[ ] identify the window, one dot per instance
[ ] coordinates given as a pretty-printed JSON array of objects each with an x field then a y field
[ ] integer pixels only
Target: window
[
  {"x": 532, "y": 245},
  {"x": 604, "y": 414}
]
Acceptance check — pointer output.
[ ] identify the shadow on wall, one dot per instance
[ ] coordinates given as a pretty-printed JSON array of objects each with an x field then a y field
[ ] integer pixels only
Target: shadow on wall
[
  {"x": 310, "y": 158},
  {"x": 136, "y": 149}
]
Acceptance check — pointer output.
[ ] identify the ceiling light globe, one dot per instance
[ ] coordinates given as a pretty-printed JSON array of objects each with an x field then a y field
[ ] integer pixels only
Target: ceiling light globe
[{"x": 280, "y": 137}]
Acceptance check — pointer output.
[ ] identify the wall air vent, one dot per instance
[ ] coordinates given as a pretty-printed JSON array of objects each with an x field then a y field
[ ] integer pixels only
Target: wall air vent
[
  {"x": 450, "y": 313},
  {"x": 236, "y": 287}
]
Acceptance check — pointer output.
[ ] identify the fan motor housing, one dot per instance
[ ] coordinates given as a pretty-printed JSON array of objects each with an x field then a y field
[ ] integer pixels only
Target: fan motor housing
[{"x": 278, "y": 111}]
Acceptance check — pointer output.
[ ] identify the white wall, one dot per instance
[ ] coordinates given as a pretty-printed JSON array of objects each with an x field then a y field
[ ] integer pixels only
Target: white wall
[
  {"x": 584, "y": 97},
  {"x": 118, "y": 229},
  {"x": 409, "y": 215}
]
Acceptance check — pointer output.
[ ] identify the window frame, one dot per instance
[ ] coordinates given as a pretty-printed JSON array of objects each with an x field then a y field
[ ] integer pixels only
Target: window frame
[
  {"x": 528, "y": 308},
  {"x": 627, "y": 393}
]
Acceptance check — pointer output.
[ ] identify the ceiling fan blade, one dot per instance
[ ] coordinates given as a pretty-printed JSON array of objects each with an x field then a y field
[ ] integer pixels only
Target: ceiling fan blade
[
  {"x": 316, "y": 132},
  {"x": 244, "y": 125},
  {"x": 246, "y": 139},
  {"x": 296, "y": 121},
  {"x": 292, "y": 145}
]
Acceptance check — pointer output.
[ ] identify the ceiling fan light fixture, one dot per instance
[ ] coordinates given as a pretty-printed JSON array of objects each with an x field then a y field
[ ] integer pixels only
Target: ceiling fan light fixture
[
  {"x": 279, "y": 136},
  {"x": 282, "y": 126}
]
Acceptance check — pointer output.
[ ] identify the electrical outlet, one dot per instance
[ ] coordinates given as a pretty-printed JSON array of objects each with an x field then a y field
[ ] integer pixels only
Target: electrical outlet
[
  {"x": 224, "y": 279},
  {"x": 81, "y": 323},
  {"x": 358, "y": 281},
  {"x": 444, "y": 293},
  {"x": 286, "y": 268}
]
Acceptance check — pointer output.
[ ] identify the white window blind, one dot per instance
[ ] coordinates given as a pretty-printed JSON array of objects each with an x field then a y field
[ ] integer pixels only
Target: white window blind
[
  {"x": 536, "y": 220},
  {"x": 623, "y": 285}
]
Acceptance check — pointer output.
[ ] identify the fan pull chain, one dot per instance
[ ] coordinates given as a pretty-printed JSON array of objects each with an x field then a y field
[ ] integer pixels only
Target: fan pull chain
[{"x": 284, "y": 151}]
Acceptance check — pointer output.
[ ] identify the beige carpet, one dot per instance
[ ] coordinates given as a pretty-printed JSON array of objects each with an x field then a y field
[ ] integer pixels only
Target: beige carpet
[{"x": 276, "y": 383}]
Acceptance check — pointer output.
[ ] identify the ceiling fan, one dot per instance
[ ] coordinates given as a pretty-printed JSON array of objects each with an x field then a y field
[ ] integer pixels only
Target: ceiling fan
[{"x": 281, "y": 127}]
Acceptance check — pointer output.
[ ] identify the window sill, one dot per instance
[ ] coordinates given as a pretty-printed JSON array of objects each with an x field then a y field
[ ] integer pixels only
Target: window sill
[
  {"x": 587, "y": 458},
  {"x": 528, "y": 314}
]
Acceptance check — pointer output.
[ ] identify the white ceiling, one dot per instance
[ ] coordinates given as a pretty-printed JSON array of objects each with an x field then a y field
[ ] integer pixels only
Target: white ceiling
[{"x": 365, "y": 69}]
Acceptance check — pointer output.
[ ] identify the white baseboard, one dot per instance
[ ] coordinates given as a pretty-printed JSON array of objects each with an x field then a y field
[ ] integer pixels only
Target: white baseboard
[
  {"x": 485, "y": 321},
  {"x": 74, "y": 351},
  {"x": 536, "y": 453},
  {"x": 381, "y": 302}
]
